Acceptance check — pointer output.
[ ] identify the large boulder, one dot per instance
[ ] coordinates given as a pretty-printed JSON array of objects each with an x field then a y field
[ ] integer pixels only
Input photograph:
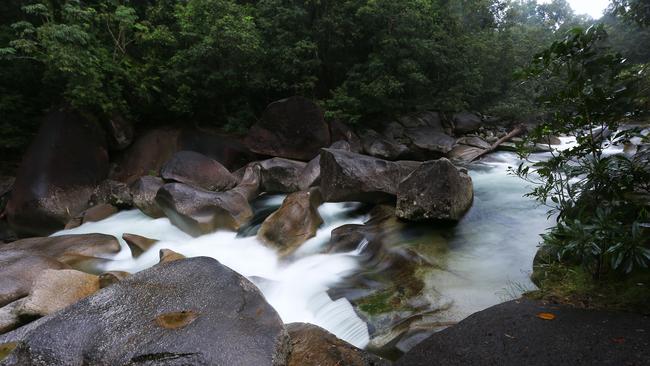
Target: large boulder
[
  {"x": 146, "y": 156},
  {"x": 423, "y": 119},
  {"x": 66, "y": 247},
  {"x": 144, "y": 192},
  {"x": 377, "y": 145},
  {"x": 291, "y": 128},
  {"x": 119, "y": 131},
  {"x": 280, "y": 175},
  {"x": 465, "y": 153},
  {"x": 346, "y": 176},
  {"x": 197, "y": 211},
  {"x": 66, "y": 160},
  {"x": 339, "y": 131},
  {"x": 93, "y": 214},
  {"x": 314, "y": 346},
  {"x": 160, "y": 316},
  {"x": 198, "y": 170},
  {"x": 429, "y": 142},
  {"x": 293, "y": 223},
  {"x": 310, "y": 176},
  {"x": 436, "y": 190},
  {"x": 228, "y": 151},
  {"x": 19, "y": 270},
  {"x": 466, "y": 122}
]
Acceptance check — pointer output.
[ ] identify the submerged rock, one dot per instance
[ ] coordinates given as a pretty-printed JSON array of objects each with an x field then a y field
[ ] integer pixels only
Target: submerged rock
[
  {"x": 346, "y": 176},
  {"x": 197, "y": 170},
  {"x": 436, "y": 190},
  {"x": 160, "y": 316},
  {"x": 293, "y": 223},
  {"x": 314, "y": 346},
  {"x": 292, "y": 128},
  {"x": 65, "y": 161}
]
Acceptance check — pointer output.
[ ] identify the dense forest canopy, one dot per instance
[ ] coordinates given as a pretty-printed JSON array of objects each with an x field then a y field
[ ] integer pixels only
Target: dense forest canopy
[{"x": 219, "y": 62}]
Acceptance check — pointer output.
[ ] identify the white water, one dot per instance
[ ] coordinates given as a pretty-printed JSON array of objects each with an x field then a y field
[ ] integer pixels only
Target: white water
[
  {"x": 486, "y": 259},
  {"x": 296, "y": 288}
]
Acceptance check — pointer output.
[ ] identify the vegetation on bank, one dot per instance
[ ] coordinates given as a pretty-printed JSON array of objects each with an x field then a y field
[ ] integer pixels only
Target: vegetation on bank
[{"x": 598, "y": 254}]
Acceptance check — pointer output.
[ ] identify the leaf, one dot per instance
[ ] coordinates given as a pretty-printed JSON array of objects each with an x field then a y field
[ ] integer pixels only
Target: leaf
[{"x": 546, "y": 316}]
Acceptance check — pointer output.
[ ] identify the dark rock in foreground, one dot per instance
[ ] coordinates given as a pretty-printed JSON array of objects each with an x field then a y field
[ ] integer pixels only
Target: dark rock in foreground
[
  {"x": 314, "y": 346},
  {"x": 436, "y": 190},
  {"x": 512, "y": 334},
  {"x": 346, "y": 176},
  {"x": 185, "y": 312},
  {"x": 65, "y": 161},
  {"x": 291, "y": 128}
]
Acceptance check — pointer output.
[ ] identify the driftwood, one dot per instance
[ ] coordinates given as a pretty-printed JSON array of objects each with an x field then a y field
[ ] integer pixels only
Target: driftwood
[{"x": 514, "y": 133}]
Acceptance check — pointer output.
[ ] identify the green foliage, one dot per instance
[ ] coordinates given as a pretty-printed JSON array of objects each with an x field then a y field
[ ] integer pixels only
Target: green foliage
[{"x": 601, "y": 200}]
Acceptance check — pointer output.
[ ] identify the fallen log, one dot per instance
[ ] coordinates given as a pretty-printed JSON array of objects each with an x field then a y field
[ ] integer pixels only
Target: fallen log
[{"x": 519, "y": 129}]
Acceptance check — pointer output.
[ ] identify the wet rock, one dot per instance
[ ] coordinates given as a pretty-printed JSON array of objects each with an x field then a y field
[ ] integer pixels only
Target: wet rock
[
  {"x": 93, "y": 214},
  {"x": 197, "y": 211},
  {"x": 341, "y": 132},
  {"x": 281, "y": 175},
  {"x": 9, "y": 319},
  {"x": 119, "y": 132},
  {"x": 198, "y": 170},
  {"x": 113, "y": 193},
  {"x": 380, "y": 146},
  {"x": 18, "y": 270},
  {"x": 292, "y": 128},
  {"x": 121, "y": 325},
  {"x": 429, "y": 142},
  {"x": 346, "y": 176},
  {"x": 54, "y": 290},
  {"x": 423, "y": 119},
  {"x": 65, "y": 247},
  {"x": 436, "y": 190},
  {"x": 138, "y": 244},
  {"x": 293, "y": 223},
  {"x": 146, "y": 156},
  {"x": 168, "y": 255},
  {"x": 108, "y": 278},
  {"x": 314, "y": 346},
  {"x": 226, "y": 150},
  {"x": 66, "y": 160},
  {"x": 466, "y": 122},
  {"x": 144, "y": 195}
]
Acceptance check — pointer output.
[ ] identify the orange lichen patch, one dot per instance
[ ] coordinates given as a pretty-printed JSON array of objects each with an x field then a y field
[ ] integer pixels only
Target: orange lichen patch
[
  {"x": 176, "y": 320},
  {"x": 6, "y": 349},
  {"x": 546, "y": 316}
]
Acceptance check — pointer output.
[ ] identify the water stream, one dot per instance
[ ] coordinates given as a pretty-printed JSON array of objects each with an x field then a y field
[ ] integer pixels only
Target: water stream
[{"x": 482, "y": 261}]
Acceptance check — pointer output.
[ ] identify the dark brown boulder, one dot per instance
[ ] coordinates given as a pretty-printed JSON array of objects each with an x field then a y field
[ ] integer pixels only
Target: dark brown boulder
[
  {"x": 66, "y": 160},
  {"x": 146, "y": 156},
  {"x": 281, "y": 175},
  {"x": 93, "y": 214},
  {"x": 314, "y": 346},
  {"x": 291, "y": 128},
  {"x": 197, "y": 211},
  {"x": 198, "y": 170},
  {"x": 293, "y": 223},
  {"x": 310, "y": 176},
  {"x": 228, "y": 151},
  {"x": 466, "y": 122},
  {"x": 377, "y": 145},
  {"x": 428, "y": 142},
  {"x": 436, "y": 190},
  {"x": 346, "y": 176},
  {"x": 339, "y": 131},
  {"x": 423, "y": 119},
  {"x": 113, "y": 193},
  {"x": 144, "y": 195}
]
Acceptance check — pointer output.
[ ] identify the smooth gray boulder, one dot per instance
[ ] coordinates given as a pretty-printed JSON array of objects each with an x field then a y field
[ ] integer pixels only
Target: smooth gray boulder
[
  {"x": 346, "y": 176},
  {"x": 185, "y": 312},
  {"x": 279, "y": 175},
  {"x": 436, "y": 190}
]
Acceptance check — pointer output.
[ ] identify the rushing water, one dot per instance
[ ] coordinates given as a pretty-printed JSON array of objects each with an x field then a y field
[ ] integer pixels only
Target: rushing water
[{"x": 482, "y": 261}]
